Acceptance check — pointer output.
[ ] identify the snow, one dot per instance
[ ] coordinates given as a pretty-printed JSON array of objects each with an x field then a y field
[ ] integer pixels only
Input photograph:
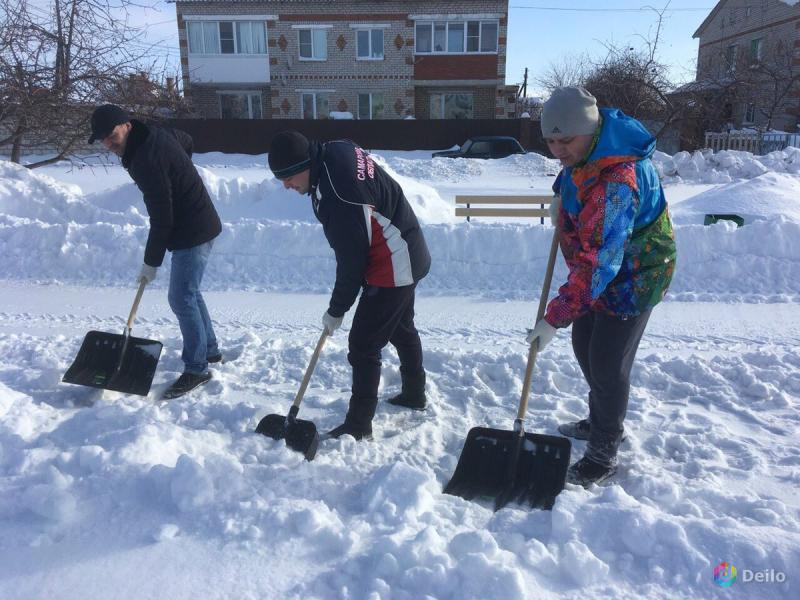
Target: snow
[{"x": 108, "y": 495}]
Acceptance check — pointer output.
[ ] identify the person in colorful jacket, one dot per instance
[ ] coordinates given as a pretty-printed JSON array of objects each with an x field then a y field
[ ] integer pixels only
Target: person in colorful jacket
[
  {"x": 616, "y": 237},
  {"x": 380, "y": 252}
]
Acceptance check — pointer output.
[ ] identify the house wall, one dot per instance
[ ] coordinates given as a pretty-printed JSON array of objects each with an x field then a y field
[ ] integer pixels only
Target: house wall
[
  {"x": 737, "y": 24},
  {"x": 404, "y": 78}
]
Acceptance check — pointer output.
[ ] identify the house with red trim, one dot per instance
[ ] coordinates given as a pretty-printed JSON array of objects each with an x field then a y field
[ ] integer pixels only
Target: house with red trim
[{"x": 316, "y": 59}]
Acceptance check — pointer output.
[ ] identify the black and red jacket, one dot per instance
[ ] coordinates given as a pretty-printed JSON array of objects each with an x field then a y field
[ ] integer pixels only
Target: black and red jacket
[{"x": 368, "y": 222}]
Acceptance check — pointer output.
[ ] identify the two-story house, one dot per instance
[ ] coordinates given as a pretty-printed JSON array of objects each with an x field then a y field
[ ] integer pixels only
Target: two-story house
[
  {"x": 312, "y": 59},
  {"x": 749, "y": 54}
]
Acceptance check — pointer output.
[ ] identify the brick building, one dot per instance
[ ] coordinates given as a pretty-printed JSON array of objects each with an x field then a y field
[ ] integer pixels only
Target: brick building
[
  {"x": 378, "y": 59},
  {"x": 750, "y": 52}
]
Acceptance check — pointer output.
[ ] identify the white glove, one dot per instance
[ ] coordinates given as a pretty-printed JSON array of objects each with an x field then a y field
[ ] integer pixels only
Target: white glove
[
  {"x": 554, "y": 208},
  {"x": 543, "y": 332},
  {"x": 147, "y": 273},
  {"x": 331, "y": 323}
]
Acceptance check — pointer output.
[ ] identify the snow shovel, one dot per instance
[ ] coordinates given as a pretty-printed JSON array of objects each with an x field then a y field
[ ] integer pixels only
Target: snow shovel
[
  {"x": 111, "y": 361},
  {"x": 300, "y": 435},
  {"x": 514, "y": 466}
]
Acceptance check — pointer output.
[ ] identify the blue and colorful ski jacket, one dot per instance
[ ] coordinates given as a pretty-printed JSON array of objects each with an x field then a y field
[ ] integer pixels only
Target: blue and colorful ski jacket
[{"x": 614, "y": 227}]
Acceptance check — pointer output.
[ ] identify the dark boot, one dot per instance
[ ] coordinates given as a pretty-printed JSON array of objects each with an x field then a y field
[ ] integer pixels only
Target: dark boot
[
  {"x": 412, "y": 394},
  {"x": 348, "y": 429},
  {"x": 580, "y": 430},
  {"x": 586, "y": 472},
  {"x": 358, "y": 421},
  {"x": 185, "y": 383}
]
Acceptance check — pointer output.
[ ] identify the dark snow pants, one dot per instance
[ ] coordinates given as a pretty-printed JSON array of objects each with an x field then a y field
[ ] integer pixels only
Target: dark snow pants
[
  {"x": 605, "y": 347},
  {"x": 383, "y": 315}
]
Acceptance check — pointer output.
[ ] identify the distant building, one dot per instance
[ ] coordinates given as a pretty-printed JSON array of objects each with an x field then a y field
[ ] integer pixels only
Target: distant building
[
  {"x": 749, "y": 56},
  {"x": 391, "y": 59}
]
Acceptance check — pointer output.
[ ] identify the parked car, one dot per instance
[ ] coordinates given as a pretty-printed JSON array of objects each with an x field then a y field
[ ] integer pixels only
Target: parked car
[{"x": 484, "y": 146}]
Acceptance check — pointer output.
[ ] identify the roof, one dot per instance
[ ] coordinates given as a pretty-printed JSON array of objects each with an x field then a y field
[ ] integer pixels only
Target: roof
[{"x": 709, "y": 18}]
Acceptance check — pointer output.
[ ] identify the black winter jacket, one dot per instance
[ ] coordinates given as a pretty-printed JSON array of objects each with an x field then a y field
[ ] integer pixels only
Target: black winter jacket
[
  {"x": 181, "y": 212},
  {"x": 368, "y": 222}
]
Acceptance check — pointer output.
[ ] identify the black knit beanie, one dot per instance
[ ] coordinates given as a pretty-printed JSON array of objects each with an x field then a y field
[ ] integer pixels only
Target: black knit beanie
[{"x": 288, "y": 154}]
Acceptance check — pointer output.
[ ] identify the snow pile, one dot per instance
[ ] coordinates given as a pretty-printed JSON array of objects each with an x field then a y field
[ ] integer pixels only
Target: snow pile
[
  {"x": 271, "y": 240},
  {"x": 769, "y": 196},
  {"x": 106, "y": 495},
  {"x": 705, "y": 166}
]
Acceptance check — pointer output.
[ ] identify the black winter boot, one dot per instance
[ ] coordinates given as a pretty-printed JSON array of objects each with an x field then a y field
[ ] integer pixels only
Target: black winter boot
[
  {"x": 586, "y": 472},
  {"x": 413, "y": 392},
  {"x": 185, "y": 383},
  {"x": 358, "y": 421},
  {"x": 349, "y": 429},
  {"x": 580, "y": 430}
]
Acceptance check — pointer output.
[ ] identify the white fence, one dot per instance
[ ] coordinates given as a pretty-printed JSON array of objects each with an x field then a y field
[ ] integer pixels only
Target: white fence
[
  {"x": 757, "y": 143},
  {"x": 749, "y": 142}
]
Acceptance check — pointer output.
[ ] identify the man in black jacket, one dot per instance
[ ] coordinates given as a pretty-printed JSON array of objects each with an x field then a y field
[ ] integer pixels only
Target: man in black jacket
[
  {"x": 182, "y": 220},
  {"x": 379, "y": 247}
]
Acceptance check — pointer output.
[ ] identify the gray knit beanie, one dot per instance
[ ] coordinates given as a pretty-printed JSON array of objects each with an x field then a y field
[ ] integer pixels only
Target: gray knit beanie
[{"x": 570, "y": 111}]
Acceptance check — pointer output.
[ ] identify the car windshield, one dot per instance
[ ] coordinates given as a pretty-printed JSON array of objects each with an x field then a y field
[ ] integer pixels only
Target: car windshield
[{"x": 465, "y": 146}]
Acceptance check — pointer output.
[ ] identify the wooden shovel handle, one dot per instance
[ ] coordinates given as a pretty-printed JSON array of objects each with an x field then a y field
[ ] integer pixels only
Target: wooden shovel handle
[
  {"x": 534, "y": 349},
  {"x": 310, "y": 369},
  {"x": 135, "y": 306}
]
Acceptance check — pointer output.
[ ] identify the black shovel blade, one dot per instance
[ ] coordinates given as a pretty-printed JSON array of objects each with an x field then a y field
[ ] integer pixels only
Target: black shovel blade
[
  {"x": 300, "y": 435},
  {"x": 107, "y": 362},
  {"x": 507, "y": 467}
]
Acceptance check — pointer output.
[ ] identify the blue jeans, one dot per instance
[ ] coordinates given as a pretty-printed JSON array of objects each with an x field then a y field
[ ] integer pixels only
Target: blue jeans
[{"x": 185, "y": 300}]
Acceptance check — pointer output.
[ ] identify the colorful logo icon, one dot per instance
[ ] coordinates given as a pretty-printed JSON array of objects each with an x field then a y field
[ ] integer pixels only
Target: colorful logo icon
[{"x": 725, "y": 574}]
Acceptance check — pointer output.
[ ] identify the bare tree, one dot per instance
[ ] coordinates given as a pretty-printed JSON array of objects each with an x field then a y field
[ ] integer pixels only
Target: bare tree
[
  {"x": 56, "y": 64},
  {"x": 567, "y": 71},
  {"x": 769, "y": 81},
  {"x": 629, "y": 78}
]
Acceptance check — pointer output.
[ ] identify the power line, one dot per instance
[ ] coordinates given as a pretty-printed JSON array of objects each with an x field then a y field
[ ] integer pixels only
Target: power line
[{"x": 639, "y": 9}]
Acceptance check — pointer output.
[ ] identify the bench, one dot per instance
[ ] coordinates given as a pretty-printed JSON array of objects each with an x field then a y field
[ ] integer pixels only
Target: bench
[{"x": 498, "y": 206}]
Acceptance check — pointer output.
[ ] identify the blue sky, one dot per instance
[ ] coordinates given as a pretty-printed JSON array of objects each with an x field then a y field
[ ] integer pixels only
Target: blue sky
[
  {"x": 539, "y": 36},
  {"x": 543, "y": 31}
]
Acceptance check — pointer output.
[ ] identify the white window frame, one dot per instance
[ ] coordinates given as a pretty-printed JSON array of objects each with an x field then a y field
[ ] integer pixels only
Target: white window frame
[
  {"x": 443, "y": 101},
  {"x": 314, "y": 93},
  {"x": 749, "y": 113},
  {"x": 370, "y": 94},
  {"x": 463, "y": 22},
  {"x": 314, "y": 48},
  {"x": 731, "y": 57},
  {"x": 249, "y": 94},
  {"x": 218, "y": 50},
  {"x": 369, "y": 31},
  {"x": 758, "y": 43}
]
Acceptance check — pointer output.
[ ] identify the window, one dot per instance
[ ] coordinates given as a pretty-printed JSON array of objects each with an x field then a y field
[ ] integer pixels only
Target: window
[
  {"x": 755, "y": 49},
  {"x": 315, "y": 105},
  {"x": 227, "y": 37},
  {"x": 313, "y": 44},
  {"x": 749, "y": 113},
  {"x": 369, "y": 44},
  {"x": 730, "y": 57},
  {"x": 451, "y": 106},
  {"x": 240, "y": 105},
  {"x": 456, "y": 37},
  {"x": 370, "y": 105}
]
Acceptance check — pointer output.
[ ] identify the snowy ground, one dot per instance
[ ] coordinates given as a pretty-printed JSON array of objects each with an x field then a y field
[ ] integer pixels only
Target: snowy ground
[{"x": 106, "y": 495}]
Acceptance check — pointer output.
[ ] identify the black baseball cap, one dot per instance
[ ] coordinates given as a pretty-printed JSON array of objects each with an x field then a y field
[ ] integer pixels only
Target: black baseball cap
[{"x": 104, "y": 119}]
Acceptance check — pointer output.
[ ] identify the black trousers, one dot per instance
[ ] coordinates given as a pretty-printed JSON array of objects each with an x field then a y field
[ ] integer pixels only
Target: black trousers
[
  {"x": 383, "y": 315},
  {"x": 605, "y": 347}
]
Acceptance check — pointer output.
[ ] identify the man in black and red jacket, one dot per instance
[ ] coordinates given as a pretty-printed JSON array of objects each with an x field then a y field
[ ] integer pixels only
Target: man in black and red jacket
[{"x": 380, "y": 252}]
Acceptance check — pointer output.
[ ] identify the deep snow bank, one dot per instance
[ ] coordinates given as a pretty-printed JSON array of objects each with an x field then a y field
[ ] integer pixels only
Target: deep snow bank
[{"x": 271, "y": 241}]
